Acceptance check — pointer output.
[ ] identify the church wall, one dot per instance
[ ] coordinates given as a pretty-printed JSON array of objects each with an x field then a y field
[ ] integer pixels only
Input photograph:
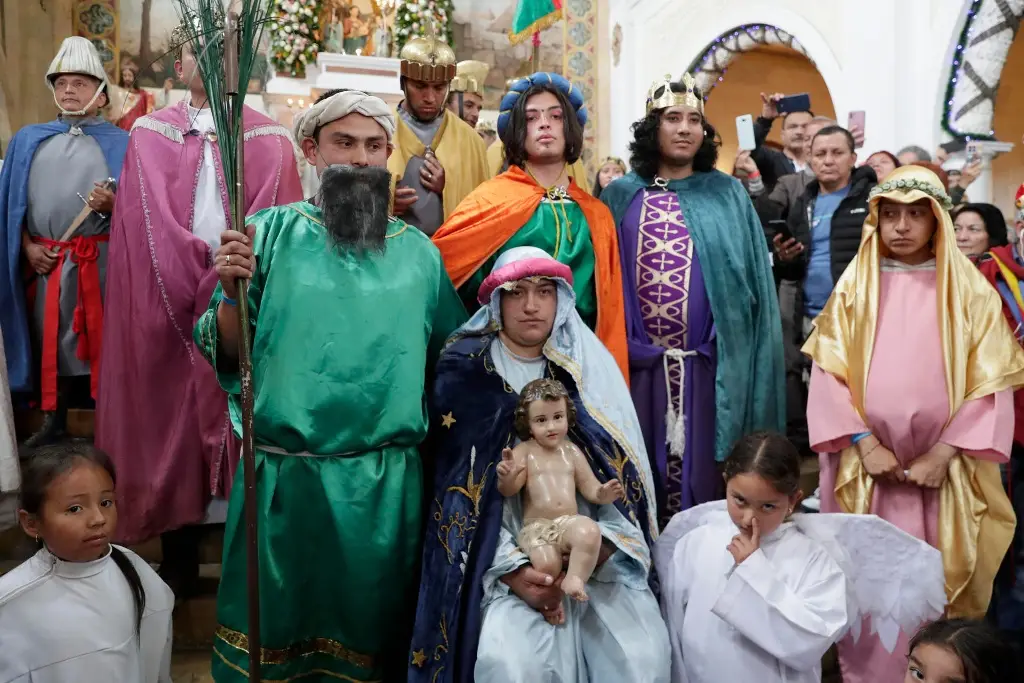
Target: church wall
[
  {"x": 888, "y": 58},
  {"x": 1008, "y": 169}
]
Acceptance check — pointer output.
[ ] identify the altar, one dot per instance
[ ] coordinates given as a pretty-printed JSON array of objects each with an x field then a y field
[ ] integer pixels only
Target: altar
[{"x": 284, "y": 97}]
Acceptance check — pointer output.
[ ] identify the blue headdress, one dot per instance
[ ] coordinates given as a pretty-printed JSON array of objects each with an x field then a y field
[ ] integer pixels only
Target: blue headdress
[{"x": 521, "y": 85}]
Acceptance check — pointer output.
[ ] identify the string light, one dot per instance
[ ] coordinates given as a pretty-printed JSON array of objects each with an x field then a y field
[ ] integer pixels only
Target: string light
[
  {"x": 962, "y": 43},
  {"x": 756, "y": 32}
]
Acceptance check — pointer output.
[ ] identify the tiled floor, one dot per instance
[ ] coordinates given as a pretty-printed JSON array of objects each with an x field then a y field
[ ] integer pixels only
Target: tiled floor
[{"x": 191, "y": 667}]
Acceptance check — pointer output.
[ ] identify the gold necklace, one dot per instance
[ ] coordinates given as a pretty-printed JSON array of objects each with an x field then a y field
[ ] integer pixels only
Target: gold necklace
[{"x": 556, "y": 194}]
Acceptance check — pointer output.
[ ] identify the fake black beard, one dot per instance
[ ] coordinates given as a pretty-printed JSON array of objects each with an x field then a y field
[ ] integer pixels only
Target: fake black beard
[{"x": 355, "y": 204}]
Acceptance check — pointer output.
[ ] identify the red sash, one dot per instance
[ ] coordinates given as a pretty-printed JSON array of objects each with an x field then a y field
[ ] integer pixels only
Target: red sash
[{"x": 88, "y": 318}]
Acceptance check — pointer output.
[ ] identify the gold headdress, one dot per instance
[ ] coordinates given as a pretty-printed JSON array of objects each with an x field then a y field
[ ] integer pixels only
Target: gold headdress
[
  {"x": 981, "y": 358},
  {"x": 662, "y": 96},
  {"x": 470, "y": 76},
  {"x": 428, "y": 59}
]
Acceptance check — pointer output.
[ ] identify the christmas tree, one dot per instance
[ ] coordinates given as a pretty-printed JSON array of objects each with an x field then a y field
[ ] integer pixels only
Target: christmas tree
[{"x": 413, "y": 16}]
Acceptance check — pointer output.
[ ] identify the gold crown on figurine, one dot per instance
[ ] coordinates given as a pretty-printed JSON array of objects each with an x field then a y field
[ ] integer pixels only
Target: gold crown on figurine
[
  {"x": 662, "y": 96},
  {"x": 428, "y": 58},
  {"x": 470, "y": 76}
]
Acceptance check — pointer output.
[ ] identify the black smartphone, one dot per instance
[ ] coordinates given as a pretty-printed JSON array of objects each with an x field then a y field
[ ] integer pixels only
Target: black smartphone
[
  {"x": 792, "y": 103},
  {"x": 780, "y": 227}
]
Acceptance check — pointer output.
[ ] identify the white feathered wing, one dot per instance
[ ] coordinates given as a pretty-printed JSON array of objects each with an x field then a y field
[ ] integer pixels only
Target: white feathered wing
[{"x": 891, "y": 576}]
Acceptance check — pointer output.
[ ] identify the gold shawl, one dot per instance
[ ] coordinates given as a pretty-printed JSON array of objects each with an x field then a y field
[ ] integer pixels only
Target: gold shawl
[
  {"x": 976, "y": 520},
  {"x": 460, "y": 150}
]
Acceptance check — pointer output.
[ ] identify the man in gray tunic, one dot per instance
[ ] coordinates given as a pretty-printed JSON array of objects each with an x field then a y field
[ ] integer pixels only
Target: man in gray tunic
[
  {"x": 438, "y": 157},
  {"x": 56, "y": 195}
]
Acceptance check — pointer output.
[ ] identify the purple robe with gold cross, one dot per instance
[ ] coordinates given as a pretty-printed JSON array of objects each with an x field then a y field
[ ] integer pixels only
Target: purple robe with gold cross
[{"x": 672, "y": 354}]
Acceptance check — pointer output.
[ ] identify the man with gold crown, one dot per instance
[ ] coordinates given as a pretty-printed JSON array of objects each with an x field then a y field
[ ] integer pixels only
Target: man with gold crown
[
  {"x": 466, "y": 99},
  {"x": 349, "y": 308},
  {"x": 538, "y": 203},
  {"x": 160, "y": 415},
  {"x": 707, "y": 366},
  {"x": 55, "y": 211},
  {"x": 910, "y": 400},
  {"x": 439, "y": 158},
  {"x": 1003, "y": 267}
]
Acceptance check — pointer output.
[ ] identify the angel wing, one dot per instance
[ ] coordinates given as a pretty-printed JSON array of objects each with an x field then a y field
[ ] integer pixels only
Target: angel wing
[
  {"x": 681, "y": 524},
  {"x": 891, "y": 576}
]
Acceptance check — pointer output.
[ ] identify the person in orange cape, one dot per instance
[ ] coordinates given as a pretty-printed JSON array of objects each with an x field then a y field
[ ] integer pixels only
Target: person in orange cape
[{"x": 537, "y": 203}]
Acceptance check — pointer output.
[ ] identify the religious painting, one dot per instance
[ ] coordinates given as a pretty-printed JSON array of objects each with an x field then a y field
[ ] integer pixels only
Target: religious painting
[
  {"x": 145, "y": 40},
  {"x": 353, "y": 27}
]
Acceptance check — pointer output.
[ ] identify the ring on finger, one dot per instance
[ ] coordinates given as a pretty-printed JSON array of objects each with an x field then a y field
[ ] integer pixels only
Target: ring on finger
[{"x": 227, "y": 259}]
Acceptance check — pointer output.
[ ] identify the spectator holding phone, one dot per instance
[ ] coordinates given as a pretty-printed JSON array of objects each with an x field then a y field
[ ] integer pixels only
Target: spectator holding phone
[
  {"x": 772, "y": 163},
  {"x": 822, "y": 236}
]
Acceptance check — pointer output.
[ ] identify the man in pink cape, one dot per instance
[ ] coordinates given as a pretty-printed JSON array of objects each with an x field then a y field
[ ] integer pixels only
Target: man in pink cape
[
  {"x": 910, "y": 401},
  {"x": 160, "y": 413}
]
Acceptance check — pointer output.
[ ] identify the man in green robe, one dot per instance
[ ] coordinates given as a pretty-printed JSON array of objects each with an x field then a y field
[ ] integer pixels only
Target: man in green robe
[{"x": 349, "y": 309}]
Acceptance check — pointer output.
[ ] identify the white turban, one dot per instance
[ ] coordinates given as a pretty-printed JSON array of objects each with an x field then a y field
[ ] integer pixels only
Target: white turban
[{"x": 340, "y": 105}]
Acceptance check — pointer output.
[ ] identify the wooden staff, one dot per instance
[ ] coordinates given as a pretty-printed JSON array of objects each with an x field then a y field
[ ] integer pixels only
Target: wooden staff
[{"x": 235, "y": 95}]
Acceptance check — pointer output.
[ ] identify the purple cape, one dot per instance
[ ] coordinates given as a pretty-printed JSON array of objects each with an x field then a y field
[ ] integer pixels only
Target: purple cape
[{"x": 160, "y": 414}]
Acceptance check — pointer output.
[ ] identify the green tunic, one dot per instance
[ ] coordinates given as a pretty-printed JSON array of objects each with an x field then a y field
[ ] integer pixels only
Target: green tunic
[
  {"x": 341, "y": 347},
  {"x": 570, "y": 246}
]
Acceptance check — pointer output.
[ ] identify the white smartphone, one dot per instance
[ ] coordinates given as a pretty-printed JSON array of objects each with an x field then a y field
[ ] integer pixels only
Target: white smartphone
[{"x": 745, "y": 132}]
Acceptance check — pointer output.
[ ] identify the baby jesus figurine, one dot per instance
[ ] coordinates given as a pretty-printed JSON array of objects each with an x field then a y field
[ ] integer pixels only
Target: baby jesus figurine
[{"x": 550, "y": 469}]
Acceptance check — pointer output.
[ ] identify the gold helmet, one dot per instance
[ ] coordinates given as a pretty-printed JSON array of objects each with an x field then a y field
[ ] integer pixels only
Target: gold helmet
[
  {"x": 470, "y": 76},
  {"x": 428, "y": 58}
]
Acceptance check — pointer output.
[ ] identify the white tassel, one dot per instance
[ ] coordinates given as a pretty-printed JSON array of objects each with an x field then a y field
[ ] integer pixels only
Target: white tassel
[{"x": 675, "y": 419}]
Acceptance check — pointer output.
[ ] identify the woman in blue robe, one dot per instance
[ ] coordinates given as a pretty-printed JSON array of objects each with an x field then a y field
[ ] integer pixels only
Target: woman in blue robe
[{"x": 469, "y": 624}]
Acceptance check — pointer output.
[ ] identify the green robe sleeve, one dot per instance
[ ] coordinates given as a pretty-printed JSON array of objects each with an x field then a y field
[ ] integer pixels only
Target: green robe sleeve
[
  {"x": 205, "y": 332},
  {"x": 449, "y": 314}
]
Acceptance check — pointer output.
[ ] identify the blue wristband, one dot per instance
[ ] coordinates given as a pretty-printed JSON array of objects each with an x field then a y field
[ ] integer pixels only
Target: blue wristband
[
  {"x": 228, "y": 300},
  {"x": 860, "y": 437}
]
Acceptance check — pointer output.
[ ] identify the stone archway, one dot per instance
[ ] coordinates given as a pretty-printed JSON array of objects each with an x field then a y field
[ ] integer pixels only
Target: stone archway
[
  {"x": 709, "y": 67},
  {"x": 980, "y": 53}
]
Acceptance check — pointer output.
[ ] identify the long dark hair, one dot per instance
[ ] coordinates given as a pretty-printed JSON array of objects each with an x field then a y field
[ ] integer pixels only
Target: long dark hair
[
  {"x": 48, "y": 463},
  {"x": 645, "y": 152},
  {"x": 984, "y": 653},
  {"x": 514, "y": 138},
  {"x": 769, "y": 455}
]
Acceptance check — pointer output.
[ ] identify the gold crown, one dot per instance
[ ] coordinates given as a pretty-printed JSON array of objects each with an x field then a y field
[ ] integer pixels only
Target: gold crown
[
  {"x": 661, "y": 95},
  {"x": 470, "y": 76},
  {"x": 428, "y": 58}
]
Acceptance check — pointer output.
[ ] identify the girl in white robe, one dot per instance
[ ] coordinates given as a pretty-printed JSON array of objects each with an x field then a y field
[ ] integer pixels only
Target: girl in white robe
[
  {"x": 80, "y": 609},
  {"x": 748, "y": 597},
  {"x": 751, "y": 592}
]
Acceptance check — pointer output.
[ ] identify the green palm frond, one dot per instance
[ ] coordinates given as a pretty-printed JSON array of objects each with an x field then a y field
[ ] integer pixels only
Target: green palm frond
[{"x": 203, "y": 27}]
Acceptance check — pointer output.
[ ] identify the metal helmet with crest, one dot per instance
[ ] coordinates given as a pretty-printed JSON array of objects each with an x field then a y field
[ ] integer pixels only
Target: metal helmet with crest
[
  {"x": 470, "y": 76},
  {"x": 428, "y": 58},
  {"x": 77, "y": 55}
]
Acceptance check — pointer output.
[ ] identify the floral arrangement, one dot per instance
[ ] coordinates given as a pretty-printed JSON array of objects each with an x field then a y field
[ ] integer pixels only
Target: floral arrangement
[
  {"x": 412, "y": 17},
  {"x": 294, "y": 25}
]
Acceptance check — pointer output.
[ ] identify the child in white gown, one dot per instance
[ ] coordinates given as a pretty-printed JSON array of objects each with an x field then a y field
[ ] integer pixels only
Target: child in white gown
[
  {"x": 80, "y": 609},
  {"x": 748, "y": 594}
]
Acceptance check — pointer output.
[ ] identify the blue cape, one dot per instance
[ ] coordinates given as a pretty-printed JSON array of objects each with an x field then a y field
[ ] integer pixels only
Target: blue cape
[
  {"x": 750, "y": 382},
  {"x": 465, "y": 514},
  {"x": 13, "y": 204}
]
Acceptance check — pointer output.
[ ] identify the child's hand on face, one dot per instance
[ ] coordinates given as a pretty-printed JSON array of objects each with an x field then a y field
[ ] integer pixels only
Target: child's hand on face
[{"x": 743, "y": 545}]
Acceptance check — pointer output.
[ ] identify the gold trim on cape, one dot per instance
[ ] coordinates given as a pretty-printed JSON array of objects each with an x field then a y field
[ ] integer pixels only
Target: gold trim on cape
[
  {"x": 323, "y": 646},
  {"x": 976, "y": 519}
]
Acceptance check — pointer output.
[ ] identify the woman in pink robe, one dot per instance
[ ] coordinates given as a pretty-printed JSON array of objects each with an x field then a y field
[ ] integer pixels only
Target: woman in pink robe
[{"x": 910, "y": 404}]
